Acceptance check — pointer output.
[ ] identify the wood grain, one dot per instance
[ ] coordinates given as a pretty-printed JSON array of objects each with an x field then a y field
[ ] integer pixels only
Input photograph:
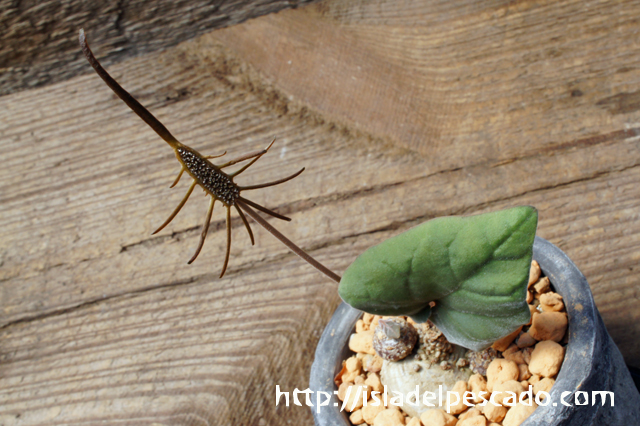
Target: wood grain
[
  {"x": 401, "y": 111},
  {"x": 39, "y": 37}
]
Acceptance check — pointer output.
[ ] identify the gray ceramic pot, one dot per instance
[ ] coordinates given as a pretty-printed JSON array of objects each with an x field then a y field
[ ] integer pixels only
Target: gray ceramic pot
[{"x": 592, "y": 361}]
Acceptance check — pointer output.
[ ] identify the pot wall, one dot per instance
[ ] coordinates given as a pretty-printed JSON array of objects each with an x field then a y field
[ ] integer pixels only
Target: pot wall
[{"x": 592, "y": 362}]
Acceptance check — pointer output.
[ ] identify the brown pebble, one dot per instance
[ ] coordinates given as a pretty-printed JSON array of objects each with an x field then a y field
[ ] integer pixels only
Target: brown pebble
[
  {"x": 373, "y": 365},
  {"x": 478, "y": 384},
  {"x": 504, "y": 342},
  {"x": 524, "y": 372},
  {"x": 515, "y": 356},
  {"x": 518, "y": 414},
  {"x": 534, "y": 273},
  {"x": 525, "y": 340},
  {"x": 369, "y": 412},
  {"x": 542, "y": 286},
  {"x": 389, "y": 417},
  {"x": 462, "y": 362},
  {"x": 504, "y": 391},
  {"x": 501, "y": 370},
  {"x": 546, "y": 359},
  {"x": 437, "y": 417},
  {"x": 551, "y": 302},
  {"x": 473, "y": 421},
  {"x": 473, "y": 412},
  {"x": 460, "y": 388},
  {"x": 548, "y": 326},
  {"x": 373, "y": 381},
  {"x": 544, "y": 385},
  {"x": 353, "y": 364},
  {"x": 526, "y": 354},
  {"x": 362, "y": 342},
  {"x": 510, "y": 350},
  {"x": 354, "y": 401},
  {"x": 534, "y": 379},
  {"x": 356, "y": 418},
  {"x": 495, "y": 413},
  {"x": 414, "y": 422},
  {"x": 394, "y": 338},
  {"x": 367, "y": 318}
]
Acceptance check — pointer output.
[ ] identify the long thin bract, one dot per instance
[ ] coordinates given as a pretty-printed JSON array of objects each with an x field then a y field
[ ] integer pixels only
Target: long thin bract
[
  {"x": 264, "y": 209},
  {"x": 287, "y": 242},
  {"x": 175, "y": 182},
  {"x": 177, "y": 209},
  {"x": 226, "y": 256},
  {"x": 257, "y": 157},
  {"x": 205, "y": 231},
  {"x": 136, "y": 106},
  {"x": 246, "y": 224},
  {"x": 241, "y": 158},
  {"x": 273, "y": 183}
]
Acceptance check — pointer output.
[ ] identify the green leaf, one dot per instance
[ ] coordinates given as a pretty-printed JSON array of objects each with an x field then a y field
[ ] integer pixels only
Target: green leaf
[{"x": 475, "y": 269}]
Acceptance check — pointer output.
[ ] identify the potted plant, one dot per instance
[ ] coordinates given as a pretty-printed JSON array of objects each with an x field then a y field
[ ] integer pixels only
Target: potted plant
[{"x": 592, "y": 362}]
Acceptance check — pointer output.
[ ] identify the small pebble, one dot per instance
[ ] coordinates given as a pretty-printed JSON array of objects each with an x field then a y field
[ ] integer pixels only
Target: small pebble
[
  {"x": 473, "y": 421},
  {"x": 356, "y": 417},
  {"x": 362, "y": 342},
  {"x": 495, "y": 413},
  {"x": 544, "y": 385},
  {"x": 534, "y": 273},
  {"x": 501, "y": 370},
  {"x": 503, "y": 343},
  {"x": 504, "y": 392},
  {"x": 460, "y": 388},
  {"x": 518, "y": 414},
  {"x": 551, "y": 302},
  {"x": 478, "y": 384},
  {"x": 389, "y": 417},
  {"x": 549, "y": 326},
  {"x": 369, "y": 412},
  {"x": 542, "y": 286},
  {"x": 546, "y": 359},
  {"x": 524, "y": 372},
  {"x": 525, "y": 340},
  {"x": 437, "y": 417}
]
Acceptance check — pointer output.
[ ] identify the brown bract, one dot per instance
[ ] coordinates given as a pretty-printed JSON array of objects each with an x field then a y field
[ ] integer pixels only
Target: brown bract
[{"x": 210, "y": 177}]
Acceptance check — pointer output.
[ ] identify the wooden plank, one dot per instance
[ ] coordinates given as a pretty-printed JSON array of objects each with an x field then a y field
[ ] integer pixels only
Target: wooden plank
[
  {"x": 39, "y": 39},
  {"x": 444, "y": 88},
  {"x": 102, "y": 323}
]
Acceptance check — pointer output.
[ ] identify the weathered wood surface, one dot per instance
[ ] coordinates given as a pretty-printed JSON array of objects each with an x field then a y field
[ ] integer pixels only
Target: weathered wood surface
[
  {"x": 38, "y": 37},
  {"x": 401, "y": 112}
]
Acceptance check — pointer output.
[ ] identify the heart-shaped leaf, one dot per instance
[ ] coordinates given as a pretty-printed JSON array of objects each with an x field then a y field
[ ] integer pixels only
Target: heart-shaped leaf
[{"x": 474, "y": 268}]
